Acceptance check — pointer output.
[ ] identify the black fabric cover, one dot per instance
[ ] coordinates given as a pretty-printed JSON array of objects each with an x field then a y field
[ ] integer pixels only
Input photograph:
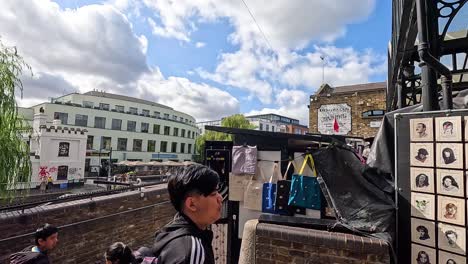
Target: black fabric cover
[{"x": 348, "y": 185}]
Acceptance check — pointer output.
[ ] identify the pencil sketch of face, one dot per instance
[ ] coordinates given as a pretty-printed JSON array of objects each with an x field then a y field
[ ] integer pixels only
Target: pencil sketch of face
[
  {"x": 451, "y": 238},
  {"x": 423, "y": 258},
  {"x": 421, "y": 130},
  {"x": 451, "y": 261},
  {"x": 422, "y": 155},
  {"x": 422, "y": 180},
  {"x": 448, "y": 155},
  {"x": 447, "y": 128},
  {"x": 449, "y": 184},
  {"x": 423, "y": 232},
  {"x": 450, "y": 211}
]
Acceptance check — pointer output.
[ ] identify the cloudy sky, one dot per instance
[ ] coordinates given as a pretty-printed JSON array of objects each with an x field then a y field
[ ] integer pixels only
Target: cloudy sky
[{"x": 207, "y": 58}]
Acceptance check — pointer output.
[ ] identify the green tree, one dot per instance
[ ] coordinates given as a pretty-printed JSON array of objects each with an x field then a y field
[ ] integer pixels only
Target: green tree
[
  {"x": 15, "y": 164},
  {"x": 234, "y": 121}
]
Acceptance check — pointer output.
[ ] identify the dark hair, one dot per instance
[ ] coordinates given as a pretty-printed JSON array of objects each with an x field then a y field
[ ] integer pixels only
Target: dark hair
[
  {"x": 423, "y": 151},
  {"x": 447, "y": 123},
  {"x": 451, "y": 261},
  {"x": 426, "y": 180},
  {"x": 451, "y": 232},
  {"x": 454, "y": 183},
  {"x": 450, "y": 158},
  {"x": 420, "y": 253},
  {"x": 423, "y": 125},
  {"x": 191, "y": 179},
  {"x": 423, "y": 229},
  {"x": 44, "y": 232},
  {"x": 119, "y": 253}
]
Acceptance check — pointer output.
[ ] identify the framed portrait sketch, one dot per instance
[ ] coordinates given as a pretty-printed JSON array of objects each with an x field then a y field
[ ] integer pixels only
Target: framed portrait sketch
[
  {"x": 421, "y": 255},
  {"x": 450, "y": 258},
  {"x": 449, "y": 155},
  {"x": 422, "y": 154},
  {"x": 452, "y": 238},
  {"x": 448, "y": 128},
  {"x": 451, "y": 210},
  {"x": 421, "y": 129},
  {"x": 450, "y": 182},
  {"x": 422, "y": 179},
  {"x": 423, "y": 205},
  {"x": 423, "y": 232}
]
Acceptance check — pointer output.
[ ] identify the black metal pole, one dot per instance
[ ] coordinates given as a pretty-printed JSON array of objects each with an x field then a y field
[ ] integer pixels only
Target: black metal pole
[
  {"x": 446, "y": 84},
  {"x": 428, "y": 75}
]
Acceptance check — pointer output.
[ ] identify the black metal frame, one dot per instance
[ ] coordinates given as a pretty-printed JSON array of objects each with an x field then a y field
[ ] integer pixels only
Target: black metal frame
[{"x": 422, "y": 18}]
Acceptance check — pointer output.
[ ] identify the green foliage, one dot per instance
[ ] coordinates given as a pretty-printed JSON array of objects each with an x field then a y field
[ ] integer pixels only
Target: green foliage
[
  {"x": 15, "y": 164},
  {"x": 234, "y": 121}
]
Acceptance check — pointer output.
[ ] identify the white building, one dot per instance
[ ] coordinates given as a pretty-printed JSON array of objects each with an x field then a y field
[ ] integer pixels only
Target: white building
[
  {"x": 56, "y": 151},
  {"x": 134, "y": 129}
]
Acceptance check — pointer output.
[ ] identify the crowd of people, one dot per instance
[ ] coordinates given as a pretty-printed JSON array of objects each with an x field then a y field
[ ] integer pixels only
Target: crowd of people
[{"x": 193, "y": 192}]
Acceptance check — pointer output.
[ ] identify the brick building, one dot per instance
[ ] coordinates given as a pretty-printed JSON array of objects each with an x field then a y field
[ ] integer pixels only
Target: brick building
[{"x": 353, "y": 110}]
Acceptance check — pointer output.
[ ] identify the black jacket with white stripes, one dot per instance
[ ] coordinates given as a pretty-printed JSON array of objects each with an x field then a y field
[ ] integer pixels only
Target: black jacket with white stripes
[{"x": 193, "y": 246}]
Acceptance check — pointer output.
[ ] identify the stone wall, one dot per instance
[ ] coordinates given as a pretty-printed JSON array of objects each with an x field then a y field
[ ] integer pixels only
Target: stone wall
[
  {"x": 360, "y": 101},
  {"x": 277, "y": 244},
  {"x": 88, "y": 226}
]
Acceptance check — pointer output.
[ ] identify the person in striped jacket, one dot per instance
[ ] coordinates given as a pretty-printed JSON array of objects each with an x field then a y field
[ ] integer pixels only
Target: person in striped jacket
[{"x": 193, "y": 192}]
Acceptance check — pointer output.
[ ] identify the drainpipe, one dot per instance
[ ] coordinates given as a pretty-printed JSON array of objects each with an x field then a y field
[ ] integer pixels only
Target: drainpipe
[{"x": 429, "y": 96}]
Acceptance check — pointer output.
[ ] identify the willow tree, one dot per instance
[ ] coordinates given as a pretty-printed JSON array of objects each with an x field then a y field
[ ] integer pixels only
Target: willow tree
[
  {"x": 234, "y": 121},
  {"x": 15, "y": 164}
]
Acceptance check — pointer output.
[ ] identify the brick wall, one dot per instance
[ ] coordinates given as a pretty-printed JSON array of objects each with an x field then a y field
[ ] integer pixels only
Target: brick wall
[
  {"x": 360, "y": 101},
  {"x": 87, "y": 227},
  {"x": 277, "y": 244}
]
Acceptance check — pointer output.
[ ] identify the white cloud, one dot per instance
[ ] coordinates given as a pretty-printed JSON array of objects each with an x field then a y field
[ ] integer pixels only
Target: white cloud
[
  {"x": 290, "y": 103},
  {"x": 94, "y": 40},
  {"x": 200, "y": 100},
  {"x": 200, "y": 44}
]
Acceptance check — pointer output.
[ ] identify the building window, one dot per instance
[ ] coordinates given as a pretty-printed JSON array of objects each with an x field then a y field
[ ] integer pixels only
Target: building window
[
  {"x": 174, "y": 117},
  {"x": 156, "y": 129},
  {"x": 131, "y": 126},
  {"x": 63, "y": 117},
  {"x": 273, "y": 128},
  {"x": 167, "y": 130},
  {"x": 166, "y": 116},
  {"x": 144, "y": 127},
  {"x": 81, "y": 120},
  {"x": 137, "y": 144},
  {"x": 122, "y": 144},
  {"x": 62, "y": 173},
  {"x": 99, "y": 122},
  {"x": 104, "y": 106},
  {"x": 181, "y": 119},
  {"x": 373, "y": 113},
  {"x": 133, "y": 110},
  {"x": 163, "y": 146},
  {"x": 261, "y": 127},
  {"x": 174, "y": 147},
  {"x": 106, "y": 143},
  {"x": 116, "y": 124},
  {"x": 120, "y": 108},
  {"x": 175, "y": 132},
  {"x": 64, "y": 149},
  {"x": 186, "y": 120},
  {"x": 182, "y": 133},
  {"x": 157, "y": 114},
  {"x": 188, "y": 133},
  {"x": 145, "y": 112},
  {"x": 151, "y": 146},
  {"x": 89, "y": 142},
  {"x": 88, "y": 104},
  {"x": 189, "y": 148},
  {"x": 182, "y": 147}
]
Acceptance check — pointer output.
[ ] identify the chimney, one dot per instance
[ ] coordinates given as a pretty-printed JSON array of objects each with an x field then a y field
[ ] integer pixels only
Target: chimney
[{"x": 39, "y": 120}]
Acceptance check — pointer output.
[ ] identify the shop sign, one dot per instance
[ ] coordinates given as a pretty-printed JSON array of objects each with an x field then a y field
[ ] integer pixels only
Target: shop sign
[{"x": 334, "y": 119}]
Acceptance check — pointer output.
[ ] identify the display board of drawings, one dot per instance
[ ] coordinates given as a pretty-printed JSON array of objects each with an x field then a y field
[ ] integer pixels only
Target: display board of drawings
[{"x": 438, "y": 189}]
